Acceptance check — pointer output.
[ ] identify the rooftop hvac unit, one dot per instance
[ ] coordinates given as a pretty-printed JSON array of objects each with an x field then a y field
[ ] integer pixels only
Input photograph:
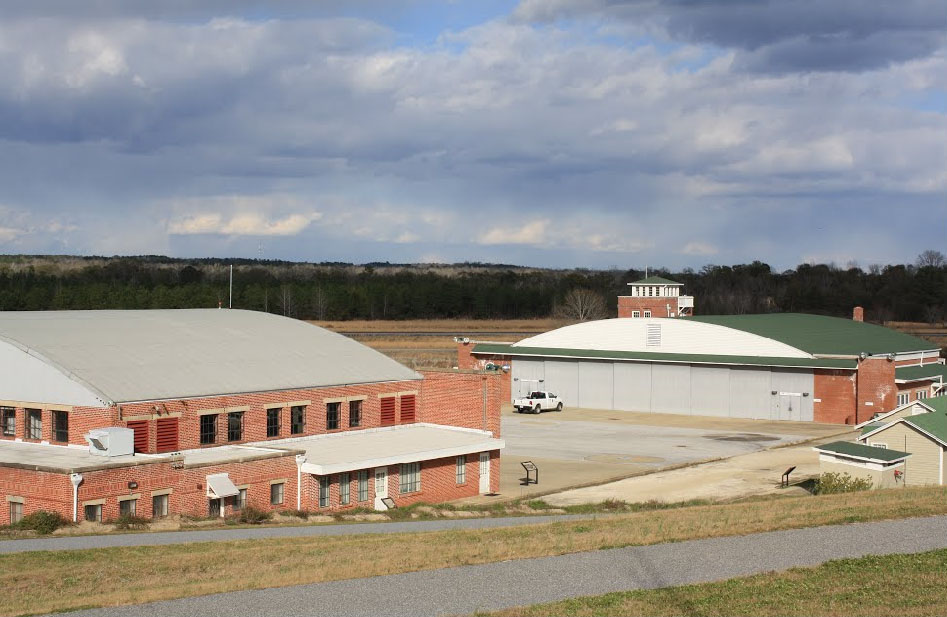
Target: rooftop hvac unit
[{"x": 111, "y": 441}]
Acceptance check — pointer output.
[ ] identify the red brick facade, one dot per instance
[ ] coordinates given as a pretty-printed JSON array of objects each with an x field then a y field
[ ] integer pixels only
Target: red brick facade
[
  {"x": 657, "y": 305},
  {"x": 469, "y": 400},
  {"x": 467, "y": 361},
  {"x": 876, "y": 390},
  {"x": 834, "y": 396}
]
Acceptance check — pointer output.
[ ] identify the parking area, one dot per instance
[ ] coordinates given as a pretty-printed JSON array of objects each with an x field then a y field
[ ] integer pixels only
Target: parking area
[{"x": 578, "y": 447}]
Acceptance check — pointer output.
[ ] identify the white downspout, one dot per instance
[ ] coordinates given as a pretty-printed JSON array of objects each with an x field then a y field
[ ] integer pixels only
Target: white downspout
[
  {"x": 76, "y": 479},
  {"x": 300, "y": 460}
]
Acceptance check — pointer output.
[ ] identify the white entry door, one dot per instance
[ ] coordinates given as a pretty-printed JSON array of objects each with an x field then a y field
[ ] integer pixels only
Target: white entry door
[
  {"x": 381, "y": 487},
  {"x": 484, "y": 472}
]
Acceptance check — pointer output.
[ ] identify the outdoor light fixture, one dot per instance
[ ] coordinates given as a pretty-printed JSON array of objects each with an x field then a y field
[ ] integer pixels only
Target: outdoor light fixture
[{"x": 132, "y": 485}]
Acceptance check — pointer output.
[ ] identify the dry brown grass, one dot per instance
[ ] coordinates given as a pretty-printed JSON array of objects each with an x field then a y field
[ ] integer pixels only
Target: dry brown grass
[
  {"x": 55, "y": 581},
  {"x": 888, "y": 585},
  {"x": 450, "y": 326}
]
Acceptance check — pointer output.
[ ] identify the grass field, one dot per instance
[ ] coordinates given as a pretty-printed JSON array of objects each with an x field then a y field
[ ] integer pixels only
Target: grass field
[
  {"x": 40, "y": 582},
  {"x": 429, "y": 343},
  {"x": 889, "y": 585}
]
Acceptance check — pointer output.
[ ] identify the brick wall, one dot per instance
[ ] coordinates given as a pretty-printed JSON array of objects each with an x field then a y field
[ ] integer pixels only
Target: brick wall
[
  {"x": 875, "y": 385},
  {"x": 466, "y": 360},
  {"x": 460, "y": 399},
  {"x": 657, "y": 306},
  {"x": 188, "y": 490},
  {"x": 834, "y": 394}
]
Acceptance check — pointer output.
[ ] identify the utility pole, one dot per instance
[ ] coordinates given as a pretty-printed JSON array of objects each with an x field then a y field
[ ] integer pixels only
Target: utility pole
[{"x": 231, "y": 287}]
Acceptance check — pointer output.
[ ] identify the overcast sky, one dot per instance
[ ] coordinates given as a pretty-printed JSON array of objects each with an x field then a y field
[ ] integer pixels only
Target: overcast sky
[{"x": 542, "y": 132}]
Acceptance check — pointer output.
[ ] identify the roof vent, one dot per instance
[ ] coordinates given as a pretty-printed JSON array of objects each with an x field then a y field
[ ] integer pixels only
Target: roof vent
[{"x": 654, "y": 335}]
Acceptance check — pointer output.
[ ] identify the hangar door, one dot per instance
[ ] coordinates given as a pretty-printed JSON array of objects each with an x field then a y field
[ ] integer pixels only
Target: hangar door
[
  {"x": 761, "y": 393},
  {"x": 528, "y": 375}
]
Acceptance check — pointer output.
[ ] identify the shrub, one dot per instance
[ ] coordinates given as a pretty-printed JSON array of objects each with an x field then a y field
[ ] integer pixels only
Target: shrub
[
  {"x": 830, "y": 483},
  {"x": 130, "y": 521},
  {"x": 42, "y": 522},
  {"x": 303, "y": 514},
  {"x": 252, "y": 516}
]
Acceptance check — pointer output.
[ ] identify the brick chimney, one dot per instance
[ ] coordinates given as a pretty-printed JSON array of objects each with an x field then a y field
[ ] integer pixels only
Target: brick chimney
[{"x": 858, "y": 314}]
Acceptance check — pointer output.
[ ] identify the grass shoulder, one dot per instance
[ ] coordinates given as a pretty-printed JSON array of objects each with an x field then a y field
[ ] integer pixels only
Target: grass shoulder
[
  {"x": 46, "y": 581},
  {"x": 874, "y": 585}
]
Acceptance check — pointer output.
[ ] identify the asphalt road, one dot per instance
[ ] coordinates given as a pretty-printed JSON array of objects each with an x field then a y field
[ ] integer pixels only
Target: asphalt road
[
  {"x": 464, "y": 590},
  {"x": 212, "y": 535}
]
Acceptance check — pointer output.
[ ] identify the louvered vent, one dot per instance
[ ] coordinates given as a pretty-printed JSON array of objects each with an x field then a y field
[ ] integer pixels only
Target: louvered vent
[{"x": 654, "y": 335}]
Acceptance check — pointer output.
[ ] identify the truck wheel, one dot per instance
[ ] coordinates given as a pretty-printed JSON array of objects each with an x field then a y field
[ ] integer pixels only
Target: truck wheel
[
  {"x": 559, "y": 407},
  {"x": 537, "y": 409}
]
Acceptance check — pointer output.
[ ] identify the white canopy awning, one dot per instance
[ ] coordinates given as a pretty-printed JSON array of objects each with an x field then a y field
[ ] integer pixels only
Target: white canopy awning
[
  {"x": 409, "y": 443},
  {"x": 219, "y": 486}
]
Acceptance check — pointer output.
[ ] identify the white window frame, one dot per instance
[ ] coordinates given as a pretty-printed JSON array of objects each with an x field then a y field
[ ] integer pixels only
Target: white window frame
[
  {"x": 282, "y": 493},
  {"x": 636, "y": 314},
  {"x": 921, "y": 395},
  {"x": 878, "y": 444},
  {"x": 362, "y": 488},
  {"x": 409, "y": 478},
  {"x": 904, "y": 398},
  {"x": 460, "y": 474},
  {"x": 325, "y": 491},
  {"x": 345, "y": 489},
  {"x": 647, "y": 314},
  {"x": 165, "y": 501}
]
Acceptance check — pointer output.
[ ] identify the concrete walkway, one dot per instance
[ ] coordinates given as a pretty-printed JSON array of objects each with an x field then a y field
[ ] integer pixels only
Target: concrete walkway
[
  {"x": 494, "y": 586},
  {"x": 67, "y": 543},
  {"x": 756, "y": 473}
]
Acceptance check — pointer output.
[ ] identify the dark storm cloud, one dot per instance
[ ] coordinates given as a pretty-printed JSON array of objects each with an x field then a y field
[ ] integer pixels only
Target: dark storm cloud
[{"x": 779, "y": 35}]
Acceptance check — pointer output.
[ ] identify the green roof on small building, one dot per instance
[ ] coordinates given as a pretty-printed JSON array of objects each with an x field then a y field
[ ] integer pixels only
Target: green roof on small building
[
  {"x": 934, "y": 423},
  {"x": 916, "y": 373},
  {"x": 861, "y": 451},
  {"x": 870, "y": 427},
  {"x": 656, "y": 280},
  {"x": 821, "y": 335}
]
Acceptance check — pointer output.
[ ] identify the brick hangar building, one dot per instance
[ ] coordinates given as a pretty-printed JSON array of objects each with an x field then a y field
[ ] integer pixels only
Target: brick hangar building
[
  {"x": 200, "y": 412},
  {"x": 658, "y": 357}
]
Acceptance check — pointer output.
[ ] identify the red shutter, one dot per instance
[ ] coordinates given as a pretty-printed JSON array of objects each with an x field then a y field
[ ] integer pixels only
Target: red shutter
[
  {"x": 387, "y": 411},
  {"x": 407, "y": 409},
  {"x": 141, "y": 434},
  {"x": 167, "y": 430}
]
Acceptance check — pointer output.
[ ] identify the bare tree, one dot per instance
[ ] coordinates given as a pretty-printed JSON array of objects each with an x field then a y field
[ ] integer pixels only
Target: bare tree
[
  {"x": 581, "y": 305},
  {"x": 930, "y": 258},
  {"x": 320, "y": 303}
]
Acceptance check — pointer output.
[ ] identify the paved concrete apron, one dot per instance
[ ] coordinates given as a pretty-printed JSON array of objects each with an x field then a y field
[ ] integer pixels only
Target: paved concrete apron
[{"x": 494, "y": 586}]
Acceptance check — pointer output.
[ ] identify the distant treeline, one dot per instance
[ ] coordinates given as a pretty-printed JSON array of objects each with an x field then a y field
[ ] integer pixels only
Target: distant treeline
[{"x": 336, "y": 291}]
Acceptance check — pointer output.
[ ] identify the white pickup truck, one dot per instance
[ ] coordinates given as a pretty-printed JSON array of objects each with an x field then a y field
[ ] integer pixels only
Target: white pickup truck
[{"x": 537, "y": 402}]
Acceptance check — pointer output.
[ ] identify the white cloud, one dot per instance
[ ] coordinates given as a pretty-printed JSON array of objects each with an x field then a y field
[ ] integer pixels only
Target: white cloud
[
  {"x": 532, "y": 233},
  {"x": 701, "y": 249},
  {"x": 243, "y": 224}
]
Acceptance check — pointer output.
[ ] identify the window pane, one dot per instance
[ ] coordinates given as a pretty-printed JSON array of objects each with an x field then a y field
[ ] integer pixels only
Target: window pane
[
  {"x": 93, "y": 513},
  {"x": 272, "y": 422},
  {"x": 8, "y": 419},
  {"x": 297, "y": 419},
  {"x": 324, "y": 483},
  {"x": 128, "y": 507},
  {"x": 35, "y": 427},
  {"x": 461, "y": 470},
  {"x": 209, "y": 429},
  {"x": 60, "y": 426},
  {"x": 16, "y": 512},
  {"x": 332, "y": 416},
  {"x": 159, "y": 506},
  {"x": 276, "y": 494},
  {"x": 355, "y": 413},
  {"x": 344, "y": 488},
  {"x": 409, "y": 480},
  {"x": 363, "y": 485},
  {"x": 235, "y": 426}
]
